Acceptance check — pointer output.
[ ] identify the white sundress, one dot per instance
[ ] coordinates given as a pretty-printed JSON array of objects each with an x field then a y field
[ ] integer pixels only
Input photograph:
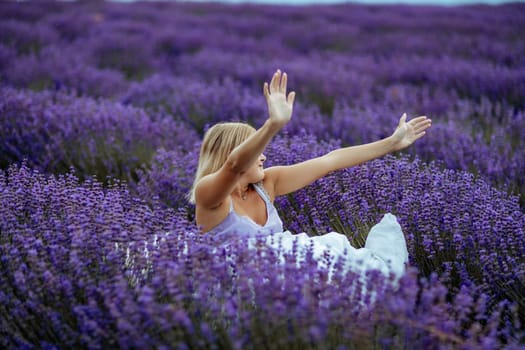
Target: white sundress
[{"x": 385, "y": 248}]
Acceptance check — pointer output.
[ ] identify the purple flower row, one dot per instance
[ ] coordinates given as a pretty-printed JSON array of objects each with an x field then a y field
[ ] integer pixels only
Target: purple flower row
[
  {"x": 88, "y": 267},
  {"x": 55, "y": 131},
  {"x": 361, "y": 66},
  {"x": 485, "y": 138},
  {"x": 451, "y": 48},
  {"x": 94, "y": 267},
  {"x": 455, "y": 224},
  {"x": 106, "y": 138}
]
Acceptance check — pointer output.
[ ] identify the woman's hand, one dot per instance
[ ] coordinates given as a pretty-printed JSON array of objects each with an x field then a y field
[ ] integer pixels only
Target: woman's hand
[
  {"x": 407, "y": 133},
  {"x": 280, "y": 106}
]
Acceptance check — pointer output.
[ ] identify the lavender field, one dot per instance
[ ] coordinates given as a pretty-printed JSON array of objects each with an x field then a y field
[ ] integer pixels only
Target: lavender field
[{"x": 102, "y": 109}]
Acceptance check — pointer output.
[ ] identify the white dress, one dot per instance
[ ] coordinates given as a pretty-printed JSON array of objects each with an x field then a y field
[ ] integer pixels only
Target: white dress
[{"x": 385, "y": 247}]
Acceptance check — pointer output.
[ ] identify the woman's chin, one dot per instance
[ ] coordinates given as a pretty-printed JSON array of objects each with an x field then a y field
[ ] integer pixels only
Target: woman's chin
[
  {"x": 255, "y": 176},
  {"x": 259, "y": 178}
]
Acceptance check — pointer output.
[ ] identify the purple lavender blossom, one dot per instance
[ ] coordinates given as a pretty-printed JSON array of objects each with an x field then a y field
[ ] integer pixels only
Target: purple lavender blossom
[
  {"x": 56, "y": 131},
  {"x": 124, "y": 90},
  {"x": 91, "y": 267}
]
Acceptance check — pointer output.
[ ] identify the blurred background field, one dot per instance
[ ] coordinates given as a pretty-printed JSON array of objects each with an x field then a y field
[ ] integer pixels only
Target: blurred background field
[{"x": 102, "y": 108}]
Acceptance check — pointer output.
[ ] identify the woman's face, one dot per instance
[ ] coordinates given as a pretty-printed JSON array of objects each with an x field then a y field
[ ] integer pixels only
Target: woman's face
[{"x": 256, "y": 172}]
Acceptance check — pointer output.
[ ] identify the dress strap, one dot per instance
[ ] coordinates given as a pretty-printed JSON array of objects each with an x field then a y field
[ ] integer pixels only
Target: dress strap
[{"x": 262, "y": 192}]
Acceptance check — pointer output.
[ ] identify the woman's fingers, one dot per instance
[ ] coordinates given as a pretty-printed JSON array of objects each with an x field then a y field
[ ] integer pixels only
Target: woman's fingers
[
  {"x": 284, "y": 79},
  {"x": 291, "y": 97},
  {"x": 279, "y": 82},
  {"x": 419, "y": 135},
  {"x": 421, "y": 127},
  {"x": 402, "y": 119},
  {"x": 421, "y": 122},
  {"x": 276, "y": 81},
  {"x": 266, "y": 91},
  {"x": 418, "y": 120}
]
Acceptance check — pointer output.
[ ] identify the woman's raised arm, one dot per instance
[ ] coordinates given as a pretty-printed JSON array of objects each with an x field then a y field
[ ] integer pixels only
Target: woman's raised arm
[
  {"x": 212, "y": 189},
  {"x": 286, "y": 179}
]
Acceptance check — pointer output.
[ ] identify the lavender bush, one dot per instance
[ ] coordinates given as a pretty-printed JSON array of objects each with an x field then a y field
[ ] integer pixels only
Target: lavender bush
[
  {"x": 168, "y": 179},
  {"x": 48, "y": 71},
  {"x": 201, "y": 104},
  {"x": 56, "y": 131},
  {"x": 490, "y": 149},
  {"x": 88, "y": 267},
  {"x": 59, "y": 252},
  {"x": 456, "y": 225},
  {"x": 124, "y": 91},
  {"x": 196, "y": 102},
  {"x": 361, "y": 62}
]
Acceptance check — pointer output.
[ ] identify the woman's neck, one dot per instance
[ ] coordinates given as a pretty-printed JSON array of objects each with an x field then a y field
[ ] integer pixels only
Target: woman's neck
[{"x": 242, "y": 191}]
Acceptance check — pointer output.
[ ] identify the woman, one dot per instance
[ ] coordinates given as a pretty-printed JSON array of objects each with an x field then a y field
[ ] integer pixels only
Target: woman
[{"x": 233, "y": 194}]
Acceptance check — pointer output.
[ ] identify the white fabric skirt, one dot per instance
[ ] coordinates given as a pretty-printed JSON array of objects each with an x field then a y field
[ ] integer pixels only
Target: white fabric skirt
[{"x": 385, "y": 249}]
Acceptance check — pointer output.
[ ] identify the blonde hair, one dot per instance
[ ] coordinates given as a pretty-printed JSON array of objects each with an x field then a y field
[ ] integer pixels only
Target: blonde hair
[{"x": 219, "y": 141}]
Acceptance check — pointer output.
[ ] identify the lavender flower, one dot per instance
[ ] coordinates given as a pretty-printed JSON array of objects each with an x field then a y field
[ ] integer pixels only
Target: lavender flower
[
  {"x": 124, "y": 90},
  {"x": 94, "y": 137}
]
